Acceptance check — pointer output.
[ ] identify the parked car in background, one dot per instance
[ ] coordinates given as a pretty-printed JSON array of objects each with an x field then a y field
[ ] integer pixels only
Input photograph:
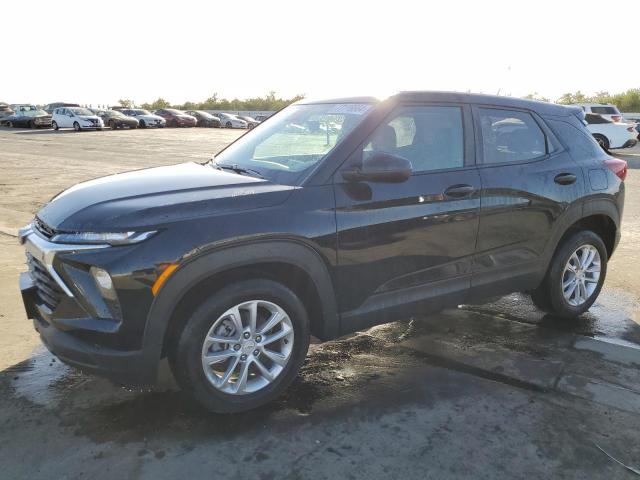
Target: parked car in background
[
  {"x": 176, "y": 118},
  {"x": 606, "y": 110},
  {"x": 27, "y": 116},
  {"x": 114, "y": 119},
  {"x": 611, "y": 134},
  {"x": 77, "y": 118},
  {"x": 633, "y": 118},
  {"x": 204, "y": 119},
  {"x": 231, "y": 121},
  {"x": 52, "y": 106},
  {"x": 182, "y": 262},
  {"x": 251, "y": 122},
  {"x": 5, "y": 110},
  {"x": 145, "y": 117},
  {"x": 261, "y": 118}
]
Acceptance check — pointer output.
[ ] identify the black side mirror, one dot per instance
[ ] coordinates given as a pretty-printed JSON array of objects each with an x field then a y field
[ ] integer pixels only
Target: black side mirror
[{"x": 380, "y": 167}]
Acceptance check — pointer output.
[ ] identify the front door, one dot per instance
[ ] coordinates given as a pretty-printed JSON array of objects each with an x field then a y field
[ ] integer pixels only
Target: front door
[{"x": 407, "y": 247}]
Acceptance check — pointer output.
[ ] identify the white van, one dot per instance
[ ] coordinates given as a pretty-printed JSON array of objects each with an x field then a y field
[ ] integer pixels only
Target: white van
[{"x": 77, "y": 118}]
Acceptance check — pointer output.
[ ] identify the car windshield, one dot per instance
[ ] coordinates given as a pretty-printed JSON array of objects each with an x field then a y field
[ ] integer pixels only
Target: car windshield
[
  {"x": 33, "y": 113},
  {"x": 140, "y": 112},
  {"x": 287, "y": 147},
  {"x": 81, "y": 111},
  {"x": 204, "y": 114},
  {"x": 115, "y": 113},
  {"x": 174, "y": 111}
]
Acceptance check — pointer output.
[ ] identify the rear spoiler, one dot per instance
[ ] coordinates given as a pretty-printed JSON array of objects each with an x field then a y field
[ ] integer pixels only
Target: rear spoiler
[{"x": 577, "y": 112}]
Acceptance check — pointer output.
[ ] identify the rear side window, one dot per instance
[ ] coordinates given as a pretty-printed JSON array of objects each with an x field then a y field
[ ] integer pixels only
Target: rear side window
[
  {"x": 510, "y": 136},
  {"x": 605, "y": 110}
]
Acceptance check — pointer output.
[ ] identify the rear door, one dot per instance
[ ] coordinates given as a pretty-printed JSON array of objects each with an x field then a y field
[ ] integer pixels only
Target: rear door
[
  {"x": 407, "y": 247},
  {"x": 528, "y": 183}
]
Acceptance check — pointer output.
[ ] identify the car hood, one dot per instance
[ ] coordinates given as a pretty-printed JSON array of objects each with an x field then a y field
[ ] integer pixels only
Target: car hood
[
  {"x": 157, "y": 196},
  {"x": 88, "y": 117}
]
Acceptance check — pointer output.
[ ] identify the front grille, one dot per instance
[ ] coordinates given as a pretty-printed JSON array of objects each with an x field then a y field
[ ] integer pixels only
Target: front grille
[
  {"x": 48, "y": 291},
  {"x": 42, "y": 228}
]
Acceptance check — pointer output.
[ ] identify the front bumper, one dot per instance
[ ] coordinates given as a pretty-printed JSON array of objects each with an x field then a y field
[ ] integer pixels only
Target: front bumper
[
  {"x": 72, "y": 320},
  {"x": 125, "y": 367}
]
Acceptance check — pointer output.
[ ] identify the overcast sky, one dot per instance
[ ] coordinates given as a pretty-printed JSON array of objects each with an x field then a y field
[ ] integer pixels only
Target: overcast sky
[{"x": 95, "y": 52}]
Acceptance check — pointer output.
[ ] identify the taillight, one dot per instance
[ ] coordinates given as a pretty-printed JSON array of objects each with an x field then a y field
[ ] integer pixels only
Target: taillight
[
  {"x": 616, "y": 118},
  {"x": 617, "y": 166}
]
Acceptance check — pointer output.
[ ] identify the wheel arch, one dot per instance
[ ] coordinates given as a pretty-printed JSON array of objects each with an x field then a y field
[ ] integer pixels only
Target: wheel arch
[
  {"x": 598, "y": 215},
  {"x": 291, "y": 262}
]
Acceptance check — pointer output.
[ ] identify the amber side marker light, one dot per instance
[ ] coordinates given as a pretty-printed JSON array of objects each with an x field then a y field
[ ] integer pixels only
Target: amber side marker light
[{"x": 166, "y": 270}]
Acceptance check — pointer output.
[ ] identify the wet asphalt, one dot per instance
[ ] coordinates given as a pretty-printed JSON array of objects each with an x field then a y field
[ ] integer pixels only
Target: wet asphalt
[{"x": 492, "y": 390}]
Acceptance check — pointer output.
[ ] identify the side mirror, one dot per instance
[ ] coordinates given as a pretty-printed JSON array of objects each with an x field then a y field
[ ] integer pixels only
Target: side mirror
[{"x": 380, "y": 167}]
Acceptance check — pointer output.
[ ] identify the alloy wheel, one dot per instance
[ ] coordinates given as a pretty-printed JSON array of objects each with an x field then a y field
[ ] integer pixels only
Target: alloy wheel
[
  {"x": 581, "y": 275},
  {"x": 247, "y": 347}
]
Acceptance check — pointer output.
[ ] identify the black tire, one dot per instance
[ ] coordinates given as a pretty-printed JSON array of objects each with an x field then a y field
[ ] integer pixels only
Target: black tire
[
  {"x": 32, "y": 125},
  {"x": 228, "y": 125},
  {"x": 112, "y": 125},
  {"x": 54, "y": 125},
  {"x": 76, "y": 126},
  {"x": 186, "y": 349},
  {"x": 549, "y": 296},
  {"x": 602, "y": 141},
  {"x": 10, "y": 124},
  {"x": 142, "y": 124},
  {"x": 172, "y": 124}
]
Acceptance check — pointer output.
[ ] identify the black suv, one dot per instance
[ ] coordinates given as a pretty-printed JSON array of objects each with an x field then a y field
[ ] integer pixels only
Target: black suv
[{"x": 329, "y": 218}]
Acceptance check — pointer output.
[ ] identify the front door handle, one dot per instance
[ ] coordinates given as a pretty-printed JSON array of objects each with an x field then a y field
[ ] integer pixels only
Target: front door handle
[
  {"x": 459, "y": 191},
  {"x": 565, "y": 178}
]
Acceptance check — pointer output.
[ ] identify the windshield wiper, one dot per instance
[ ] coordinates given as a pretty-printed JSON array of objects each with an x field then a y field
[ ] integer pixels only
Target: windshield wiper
[{"x": 238, "y": 169}]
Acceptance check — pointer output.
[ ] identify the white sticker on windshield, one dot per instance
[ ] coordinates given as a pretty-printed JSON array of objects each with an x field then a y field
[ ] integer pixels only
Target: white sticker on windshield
[{"x": 350, "y": 109}]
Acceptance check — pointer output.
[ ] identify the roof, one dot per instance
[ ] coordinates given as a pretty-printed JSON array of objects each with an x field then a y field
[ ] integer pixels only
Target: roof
[{"x": 542, "y": 108}]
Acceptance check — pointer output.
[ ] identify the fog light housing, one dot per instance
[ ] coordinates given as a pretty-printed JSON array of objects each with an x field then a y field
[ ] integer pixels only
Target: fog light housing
[{"x": 103, "y": 282}]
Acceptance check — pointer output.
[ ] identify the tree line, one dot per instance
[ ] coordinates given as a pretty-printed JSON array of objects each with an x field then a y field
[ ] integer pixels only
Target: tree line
[
  {"x": 628, "y": 101},
  {"x": 269, "y": 102}
]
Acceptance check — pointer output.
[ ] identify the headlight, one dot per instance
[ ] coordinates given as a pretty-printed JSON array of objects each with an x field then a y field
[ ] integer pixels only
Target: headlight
[{"x": 115, "y": 238}]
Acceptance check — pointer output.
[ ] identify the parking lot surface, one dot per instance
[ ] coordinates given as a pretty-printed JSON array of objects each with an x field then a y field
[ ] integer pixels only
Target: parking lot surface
[{"x": 497, "y": 390}]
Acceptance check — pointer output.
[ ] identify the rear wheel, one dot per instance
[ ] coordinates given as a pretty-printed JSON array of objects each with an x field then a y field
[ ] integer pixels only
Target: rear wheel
[
  {"x": 575, "y": 276},
  {"x": 242, "y": 347},
  {"x": 602, "y": 141},
  {"x": 54, "y": 124}
]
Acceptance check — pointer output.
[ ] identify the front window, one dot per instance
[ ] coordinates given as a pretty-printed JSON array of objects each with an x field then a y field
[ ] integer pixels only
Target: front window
[
  {"x": 175, "y": 112},
  {"x": 293, "y": 142}
]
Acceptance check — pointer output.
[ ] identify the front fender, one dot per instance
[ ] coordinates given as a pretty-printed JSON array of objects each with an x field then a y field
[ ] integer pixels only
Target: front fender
[{"x": 206, "y": 264}]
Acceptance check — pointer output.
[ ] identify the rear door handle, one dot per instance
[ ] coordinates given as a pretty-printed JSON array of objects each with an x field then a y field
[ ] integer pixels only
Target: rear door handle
[
  {"x": 459, "y": 191},
  {"x": 565, "y": 178}
]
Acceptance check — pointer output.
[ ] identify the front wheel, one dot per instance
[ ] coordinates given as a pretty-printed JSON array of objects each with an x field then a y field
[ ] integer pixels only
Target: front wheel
[
  {"x": 76, "y": 126},
  {"x": 142, "y": 124},
  {"x": 242, "y": 347},
  {"x": 575, "y": 276},
  {"x": 112, "y": 125},
  {"x": 228, "y": 125}
]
